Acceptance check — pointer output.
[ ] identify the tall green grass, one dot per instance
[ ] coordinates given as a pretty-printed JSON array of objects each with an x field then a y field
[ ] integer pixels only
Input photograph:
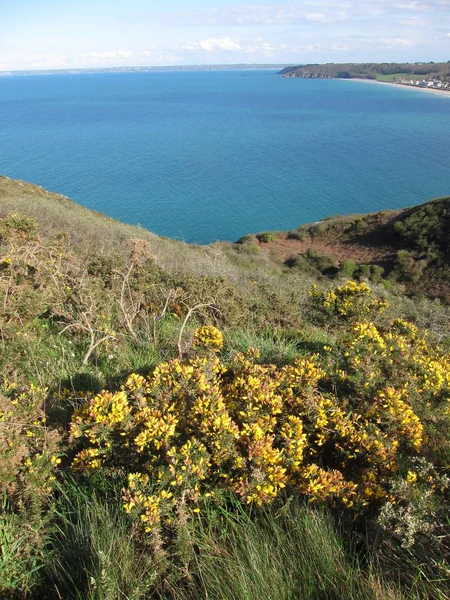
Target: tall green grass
[
  {"x": 21, "y": 554},
  {"x": 297, "y": 554},
  {"x": 228, "y": 553},
  {"x": 95, "y": 554}
]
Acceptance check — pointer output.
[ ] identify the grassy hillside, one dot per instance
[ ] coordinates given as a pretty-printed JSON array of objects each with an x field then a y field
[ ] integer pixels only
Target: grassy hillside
[{"x": 266, "y": 419}]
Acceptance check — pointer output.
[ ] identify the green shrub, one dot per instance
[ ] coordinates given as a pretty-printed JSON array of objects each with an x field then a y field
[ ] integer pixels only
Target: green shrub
[
  {"x": 17, "y": 224},
  {"x": 348, "y": 268},
  {"x": 364, "y": 271},
  {"x": 321, "y": 262},
  {"x": 427, "y": 226},
  {"x": 300, "y": 263},
  {"x": 376, "y": 273},
  {"x": 266, "y": 237},
  {"x": 407, "y": 269},
  {"x": 247, "y": 239},
  {"x": 296, "y": 235},
  {"x": 22, "y": 552}
]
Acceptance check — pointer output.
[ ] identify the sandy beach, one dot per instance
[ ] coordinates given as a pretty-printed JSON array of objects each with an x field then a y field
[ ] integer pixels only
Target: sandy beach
[{"x": 403, "y": 86}]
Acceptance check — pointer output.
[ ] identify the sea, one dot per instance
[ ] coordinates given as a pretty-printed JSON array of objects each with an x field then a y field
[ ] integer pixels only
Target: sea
[{"x": 213, "y": 155}]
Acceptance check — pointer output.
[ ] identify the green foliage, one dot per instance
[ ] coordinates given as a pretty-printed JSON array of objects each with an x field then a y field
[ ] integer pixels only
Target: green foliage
[
  {"x": 296, "y": 235},
  {"x": 373, "y": 273},
  {"x": 321, "y": 262},
  {"x": 348, "y": 268},
  {"x": 297, "y": 553},
  {"x": 302, "y": 264},
  {"x": 22, "y": 554},
  {"x": 376, "y": 273},
  {"x": 407, "y": 269},
  {"x": 427, "y": 227},
  {"x": 17, "y": 224},
  {"x": 96, "y": 553},
  {"x": 247, "y": 239},
  {"x": 266, "y": 237}
]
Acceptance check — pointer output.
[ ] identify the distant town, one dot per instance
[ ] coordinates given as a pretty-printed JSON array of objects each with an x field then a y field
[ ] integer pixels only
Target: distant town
[{"x": 434, "y": 84}]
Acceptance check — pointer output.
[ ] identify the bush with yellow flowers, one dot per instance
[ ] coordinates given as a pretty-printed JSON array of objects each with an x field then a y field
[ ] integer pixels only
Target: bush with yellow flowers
[
  {"x": 401, "y": 375},
  {"x": 208, "y": 337},
  {"x": 199, "y": 429},
  {"x": 28, "y": 447},
  {"x": 350, "y": 301}
]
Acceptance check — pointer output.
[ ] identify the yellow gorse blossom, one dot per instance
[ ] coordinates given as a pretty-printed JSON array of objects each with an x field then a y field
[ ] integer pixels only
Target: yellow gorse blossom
[
  {"x": 209, "y": 336},
  {"x": 333, "y": 427},
  {"x": 198, "y": 428},
  {"x": 349, "y": 301}
]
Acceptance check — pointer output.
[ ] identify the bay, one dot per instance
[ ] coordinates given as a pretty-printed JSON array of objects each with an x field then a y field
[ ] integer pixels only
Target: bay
[{"x": 203, "y": 156}]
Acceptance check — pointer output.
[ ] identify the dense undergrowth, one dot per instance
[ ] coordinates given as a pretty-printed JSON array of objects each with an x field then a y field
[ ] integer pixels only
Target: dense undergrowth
[
  {"x": 406, "y": 247},
  {"x": 212, "y": 426}
]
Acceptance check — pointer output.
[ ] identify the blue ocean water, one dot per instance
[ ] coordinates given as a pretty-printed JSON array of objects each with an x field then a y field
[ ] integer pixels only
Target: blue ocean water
[{"x": 203, "y": 156}]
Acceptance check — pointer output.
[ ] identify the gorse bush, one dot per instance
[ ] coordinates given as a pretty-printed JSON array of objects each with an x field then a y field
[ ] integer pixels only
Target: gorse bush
[
  {"x": 201, "y": 429},
  {"x": 28, "y": 447},
  {"x": 427, "y": 227},
  {"x": 266, "y": 237},
  {"x": 350, "y": 301},
  {"x": 28, "y": 461}
]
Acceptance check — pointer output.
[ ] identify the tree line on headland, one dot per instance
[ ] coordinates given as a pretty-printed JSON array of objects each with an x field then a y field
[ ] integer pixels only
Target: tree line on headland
[{"x": 429, "y": 70}]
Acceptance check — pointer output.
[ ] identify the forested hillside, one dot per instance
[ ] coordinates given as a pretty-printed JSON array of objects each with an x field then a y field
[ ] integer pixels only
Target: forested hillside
[{"x": 370, "y": 70}]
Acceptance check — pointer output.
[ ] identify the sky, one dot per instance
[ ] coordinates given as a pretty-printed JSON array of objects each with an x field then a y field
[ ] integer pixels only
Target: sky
[{"x": 58, "y": 34}]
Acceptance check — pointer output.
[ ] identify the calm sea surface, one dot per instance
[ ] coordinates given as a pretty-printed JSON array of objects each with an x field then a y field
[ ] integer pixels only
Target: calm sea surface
[{"x": 203, "y": 156}]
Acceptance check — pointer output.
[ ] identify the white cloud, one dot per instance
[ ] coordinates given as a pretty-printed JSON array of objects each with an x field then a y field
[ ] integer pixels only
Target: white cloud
[
  {"x": 46, "y": 62},
  {"x": 395, "y": 42},
  {"x": 301, "y": 13},
  {"x": 339, "y": 47},
  {"x": 253, "y": 14},
  {"x": 116, "y": 54},
  {"x": 315, "y": 16},
  {"x": 260, "y": 46},
  {"x": 214, "y": 45}
]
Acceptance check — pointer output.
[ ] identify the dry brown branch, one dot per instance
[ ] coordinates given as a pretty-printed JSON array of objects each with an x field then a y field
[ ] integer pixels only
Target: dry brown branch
[
  {"x": 191, "y": 310},
  {"x": 129, "y": 307}
]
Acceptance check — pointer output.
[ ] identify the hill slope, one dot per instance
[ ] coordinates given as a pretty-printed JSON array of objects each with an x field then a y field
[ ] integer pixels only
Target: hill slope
[
  {"x": 177, "y": 421},
  {"x": 408, "y": 246}
]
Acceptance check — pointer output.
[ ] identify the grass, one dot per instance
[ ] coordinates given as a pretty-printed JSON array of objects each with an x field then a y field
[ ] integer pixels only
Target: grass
[
  {"x": 95, "y": 555},
  {"x": 227, "y": 554},
  {"x": 274, "y": 348},
  {"x": 297, "y": 553},
  {"x": 396, "y": 76},
  {"x": 22, "y": 552}
]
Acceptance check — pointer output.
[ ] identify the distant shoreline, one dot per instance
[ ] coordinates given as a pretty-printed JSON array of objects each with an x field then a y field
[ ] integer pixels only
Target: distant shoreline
[{"x": 162, "y": 69}]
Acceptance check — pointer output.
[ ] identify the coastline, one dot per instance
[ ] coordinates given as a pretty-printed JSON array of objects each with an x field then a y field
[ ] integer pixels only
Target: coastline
[{"x": 403, "y": 86}]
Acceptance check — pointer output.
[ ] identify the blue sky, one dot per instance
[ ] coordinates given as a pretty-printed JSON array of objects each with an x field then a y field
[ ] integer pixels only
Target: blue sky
[{"x": 38, "y": 34}]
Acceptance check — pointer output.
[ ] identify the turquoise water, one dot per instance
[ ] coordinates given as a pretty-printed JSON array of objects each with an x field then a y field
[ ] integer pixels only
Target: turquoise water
[{"x": 203, "y": 156}]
